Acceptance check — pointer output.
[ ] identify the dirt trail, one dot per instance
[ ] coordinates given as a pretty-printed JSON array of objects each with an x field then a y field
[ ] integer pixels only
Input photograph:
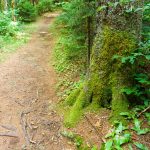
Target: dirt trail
[{"x": 27, "y": 96}]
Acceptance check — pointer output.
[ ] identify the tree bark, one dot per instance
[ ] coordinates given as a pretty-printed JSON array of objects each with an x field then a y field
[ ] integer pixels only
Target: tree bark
[
  {"x": 13, "y": 10},
  {"x": 5, "y": 5},
  {"x": 117, "y": 34}
]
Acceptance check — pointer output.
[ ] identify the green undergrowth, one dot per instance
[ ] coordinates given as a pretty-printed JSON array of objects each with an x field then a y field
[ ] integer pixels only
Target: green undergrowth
[
  {"x": 78, "y": 141},
  {"x": 120, "y": 136},
  {"x": 128, "y": 93},
  {"x": 70, "y": 72},
  {"x": 129, "y": 82},
  {"x": 94, "y": 93},
  {"x": 9, "y": 44},
  {"x": 71, "y": 50}
]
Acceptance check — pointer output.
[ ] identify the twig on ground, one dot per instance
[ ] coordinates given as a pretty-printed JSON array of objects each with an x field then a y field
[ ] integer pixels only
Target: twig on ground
[
  {"x": 33, "y": 134},
  {"x": 37, "y": 95},
  {"x": 8, "y": 127},
  {"x": 96, "y": 131},
  {"x": 33, "y": 142},
  {"x": 143, "y": 111},
  {"x": 19, "y": 103},
  {"x": 24, "y": 126},
  {"x": 29, "y": 125},
  {"x": 10, "y": 134}
]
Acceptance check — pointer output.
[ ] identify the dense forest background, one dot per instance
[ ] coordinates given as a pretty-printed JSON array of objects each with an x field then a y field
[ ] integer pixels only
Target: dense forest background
[{"x": 102, "y": 58}]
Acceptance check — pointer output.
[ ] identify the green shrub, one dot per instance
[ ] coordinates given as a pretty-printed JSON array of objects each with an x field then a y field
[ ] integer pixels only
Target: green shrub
[
  {"x": 26, "y": 11},
  {"x": 7, "y": 26},
  {"x": 45, "y": 6},
  {"x": 73, "y": 24}
]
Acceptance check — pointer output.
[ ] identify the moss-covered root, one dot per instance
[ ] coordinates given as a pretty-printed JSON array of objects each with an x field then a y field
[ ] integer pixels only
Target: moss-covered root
[
  {"x": 119, "y": 100},
  {"x": 77, "y": 110},
  {"x": 71, "y": 99}
]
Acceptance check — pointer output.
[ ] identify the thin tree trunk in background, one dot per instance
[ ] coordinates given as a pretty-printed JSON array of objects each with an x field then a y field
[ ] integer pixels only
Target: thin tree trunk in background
[
  {"x": 13, "y": 10},
  {"x": 89, "y": 41},
  {"x": 89, "y": 20},
  {"x": 5, "y": 5}
]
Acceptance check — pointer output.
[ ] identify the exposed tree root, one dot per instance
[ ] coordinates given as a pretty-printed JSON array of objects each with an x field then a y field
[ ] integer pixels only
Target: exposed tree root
[
  {"x": 24, "y": 126},
  {"x": 10, "y": 134}
]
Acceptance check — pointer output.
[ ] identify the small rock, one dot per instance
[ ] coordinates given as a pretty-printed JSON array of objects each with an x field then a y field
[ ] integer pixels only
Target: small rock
[
  {"x": 34, "y": 127},
  {"x": 24, "y": 147},
  {"x": 98, "y": 124},
  {"x": 32, "y": 123},
  {"x": 69, "y": 143}
]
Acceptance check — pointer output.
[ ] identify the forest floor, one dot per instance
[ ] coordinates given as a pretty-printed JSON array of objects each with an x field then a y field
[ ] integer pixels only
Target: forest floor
[
  {"x": 28, "y": 99},
  {"x": 27, "y": 96}
]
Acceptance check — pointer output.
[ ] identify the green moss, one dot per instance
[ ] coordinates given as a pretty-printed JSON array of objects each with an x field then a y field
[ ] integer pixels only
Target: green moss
[
  {"x": 93, "y": 107},
  {"x": 107, "y": 77},
  {"x": 119, "y": 100},
  {"x": 71, "y": 99},
  {"x": 120, "y": 74},
  {"x": 81, "y": 102},
  {"x": 73, "y": 117}
]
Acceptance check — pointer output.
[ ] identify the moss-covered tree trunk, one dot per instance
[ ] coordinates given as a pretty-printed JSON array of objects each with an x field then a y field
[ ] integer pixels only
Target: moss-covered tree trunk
[{"x": 118, "y": 32}]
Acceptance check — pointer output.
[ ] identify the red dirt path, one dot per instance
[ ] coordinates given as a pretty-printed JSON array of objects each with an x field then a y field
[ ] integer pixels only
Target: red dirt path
[{"x": 27, "y": 96}]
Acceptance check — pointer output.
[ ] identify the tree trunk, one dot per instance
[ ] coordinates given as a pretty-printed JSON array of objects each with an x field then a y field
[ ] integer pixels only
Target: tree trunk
[
  {"x": 117, "y": 34},
  {"x": 5, "y": 5},
  {"x": 13, "y": 10}
]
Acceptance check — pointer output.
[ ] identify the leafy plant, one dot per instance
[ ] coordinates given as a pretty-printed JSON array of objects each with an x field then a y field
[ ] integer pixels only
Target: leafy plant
[
  {"x": 129, "y": 115},
  {"x": 45, "y": 6},
  {"x": 141, "y": 58},
  {"x": 140, "y": 146},
  {"x": 73, "y": 23},
  {"x": 117, "y": 137},
  {"x": 26, "y": 11},
  {"x": 129, "y": 8},
  {"x": 147, "y": 115},
  {"x": 78, "y": 141},
  {"x": 7, "y": 26},
  {"x": 120, "y": 134},
  {"x": 137, "y": 127},
  {"x": 133, "y": 115}
]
